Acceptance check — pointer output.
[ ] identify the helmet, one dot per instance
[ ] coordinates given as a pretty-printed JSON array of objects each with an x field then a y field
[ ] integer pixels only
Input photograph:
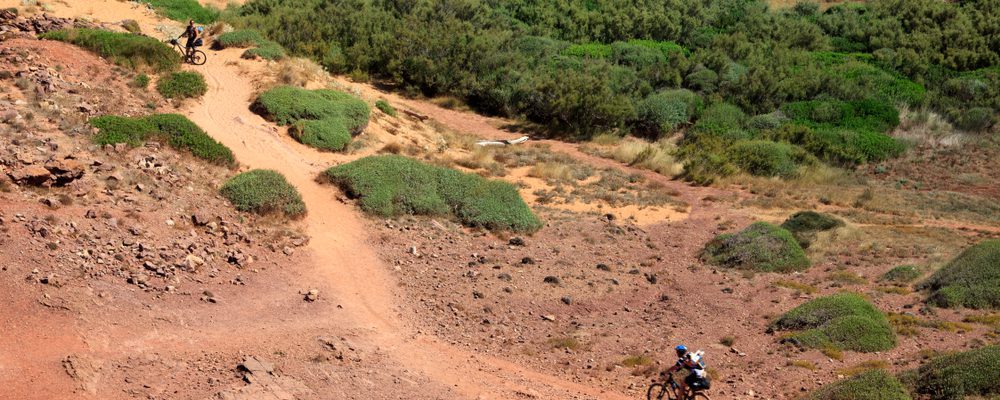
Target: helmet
[
  {"x": 201, "y": 29},
  {"x": 681, "y": 350}
]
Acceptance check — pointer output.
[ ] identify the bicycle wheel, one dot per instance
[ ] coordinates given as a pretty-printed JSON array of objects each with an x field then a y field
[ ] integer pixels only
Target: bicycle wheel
[
  {"x": 699, "y": 395},
  {"x": 656, "y": 391},
  {"x": 198, "y": 57}
]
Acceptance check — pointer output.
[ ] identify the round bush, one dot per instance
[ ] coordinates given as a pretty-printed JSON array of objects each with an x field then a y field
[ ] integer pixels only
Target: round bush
[
  {"x": 970, "y": 280},
  {"x": 324, "y": 134},
  {"x": 182, "y": 85},
  {"x": 902, "y": 274},
  {"x": 177, "y": 130},
  {"x": 664, "y": 111},
  {"x": 263, "y": 192},
  {"x": 125, "y": 49},
  {"x": 976, "y": 119},
  {"x": 955, "y": 376},
  {"x": 872, "y": 385},
  {"x": 723, "y": 120},
  {"x": 393, "y": 185},
  {"x": 766, "y": 122},
  {"x": 764, "y": 158},
  {"x": 804, "y": 225},
  {"x": 844, "y": 321},
  {"x": 760, "y": 247}
]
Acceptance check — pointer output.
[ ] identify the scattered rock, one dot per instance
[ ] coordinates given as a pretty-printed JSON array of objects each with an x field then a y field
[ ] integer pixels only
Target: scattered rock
[
  {"x": 312, "y": 295},
  {"x": 551, "y": 280},
  {"x": 516, "y": 241}
]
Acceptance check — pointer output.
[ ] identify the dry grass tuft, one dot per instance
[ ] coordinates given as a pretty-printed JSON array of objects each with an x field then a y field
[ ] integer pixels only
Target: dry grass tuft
[{"x": 299, "y": 72}]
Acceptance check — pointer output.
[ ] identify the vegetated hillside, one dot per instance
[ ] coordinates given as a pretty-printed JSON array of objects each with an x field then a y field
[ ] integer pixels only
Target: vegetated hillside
[{"x": 599, "y": 63}]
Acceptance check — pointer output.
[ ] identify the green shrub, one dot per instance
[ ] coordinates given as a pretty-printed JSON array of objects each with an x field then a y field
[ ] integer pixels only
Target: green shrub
[
  {"x": 664, "y": 111},
  {"x": 324, "y": 134},
  {"x": 970, "y": 280},
  {"x": 870, "y": 385},
  {"x": 845, "y": 321},
  {"x": 391, "y": 185},
  {"x": 182, "y": 85},
  {"x": 386, "y": 107},
  {"x": 263, "y": 192},
  {"x": 902, "y": 274},
  {"x": 766, "y": 122},
  {"x": 760, "y": 247},
  {"x": 242, "y": 38},
  {"x": 972, "y": 373},
  {"x": 704, "y": 80},
  {"x": 125, "y": 49},
  {"x": 976, "y": 119},
  {"x": 765, "y": 158},
  {"x": 840, "y": 145},
  {"x": 323, "y": 118},
  {"x": 267, "y": 50},
  {"x": 804, "y": 225},
  {"x": 184, "y": 10},
  {"x": 141, "y": 81},
  {"x": 588, "y": 50},
  {"x": 723, "y": 120},
  {"x": 176, "y": 130}
]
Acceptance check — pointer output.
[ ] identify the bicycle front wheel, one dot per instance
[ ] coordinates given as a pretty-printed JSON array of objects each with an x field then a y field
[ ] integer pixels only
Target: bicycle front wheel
[
  {"x": 198, "y": 57},
  {"x": 656, "y": 391}
]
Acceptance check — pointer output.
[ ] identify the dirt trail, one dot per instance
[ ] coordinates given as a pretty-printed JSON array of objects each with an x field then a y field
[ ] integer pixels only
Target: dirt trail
[{"x": 339, "y": 244}]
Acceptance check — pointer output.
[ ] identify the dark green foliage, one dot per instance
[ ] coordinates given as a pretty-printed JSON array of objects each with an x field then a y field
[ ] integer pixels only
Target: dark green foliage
[
  {"x": 182, "y": 85},
  {"x": 125, "y": 49},
  {"x": 766, "y": 158},
  {"x": 141, "y": 81},
  {"x": 970, "y": 280},
  {"x": 325, "y": 119},
  {"x": 394, "y": 185},
  {"x": 263, "y": 192},
  {"x": 760, "y": 247},
  {"x": 185, "y": 10},
  {"x": 582, "y": 67},
  {"x": 804, "y": 225},
  {"x": 845, "y": 321},
  {"x": 665, "y": 111},
  {"x": 722, "y": 120},
  {"x": 972, "y": 373},
  {"x": 870, "y": 385},
  {"x": 902, "y": 274},
  {"x": 240, "y": 38},
  {"x": 176, "y": 130},
  {"x": 387, "y": 108},
  {"x": 976, "y": 119}
]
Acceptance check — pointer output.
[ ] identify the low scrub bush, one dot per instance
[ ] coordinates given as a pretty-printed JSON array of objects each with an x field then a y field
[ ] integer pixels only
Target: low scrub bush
[
  {"x": 268, "y": 50},
  {"x": 185, "y": 10},
  {"x": 387, "y": 108},
  {"x": 141, "y": 81},
  {"x": 970, "y": 280},
  {"x": 263, "y": 192},
  {"x": 766, "y": 158},
  {"x": 760, "y": 247},
  {"x": 325, "y": 119},
  {"x": 840, "y": 145},
  {"x": 804, "y": 225},
  {"x": 902, "y": 274},
  {"x": 178, "y": 131},
  {"x": 325, "y": 134},
  {"x": 976, "y": 119},
  {"x": 973, "y": 373},
  {"x": 665, "y": 111},
  {"x": 242, "y": 38},
  {"x": 722, "y": 120},
  {"x": 182, "y": 85},
  {"x": 125, "y": 49},
  {"x": 874, "y": 384},
  {"x": 844, "y": 321},
  {"x": 391, "y": 185}
]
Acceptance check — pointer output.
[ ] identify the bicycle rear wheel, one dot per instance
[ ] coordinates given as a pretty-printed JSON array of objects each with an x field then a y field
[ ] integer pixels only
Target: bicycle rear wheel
[
  {"x": 198, "y": 57},
  {"x": 656, "y": 391}
]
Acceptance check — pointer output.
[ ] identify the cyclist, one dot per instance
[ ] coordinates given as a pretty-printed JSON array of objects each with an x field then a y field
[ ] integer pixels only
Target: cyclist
[
  {"x": 194, "y": 37},
  {"x": 696, "y": 379}
]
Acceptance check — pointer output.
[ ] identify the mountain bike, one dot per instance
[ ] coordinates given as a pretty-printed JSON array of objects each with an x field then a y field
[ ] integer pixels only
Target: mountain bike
[
  {"x": 671, "y": 390},
  {"x": 196, "y": 57}
]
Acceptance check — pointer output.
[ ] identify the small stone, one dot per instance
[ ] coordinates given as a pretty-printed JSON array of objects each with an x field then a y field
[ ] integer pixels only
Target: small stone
[
  {"x": 551, "y": 279},
  {"x": 527, "y": 261},
  {"x": 516, "y": 241},
  {"x": 566, "y": 300},
  {"x": 287, "y": 250},
  {"x": 170, "y": 222},
  {"x": 312, "y": 295},
  {"x": 549, "y": 317},
  {"x": 604, "y": 267}
]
